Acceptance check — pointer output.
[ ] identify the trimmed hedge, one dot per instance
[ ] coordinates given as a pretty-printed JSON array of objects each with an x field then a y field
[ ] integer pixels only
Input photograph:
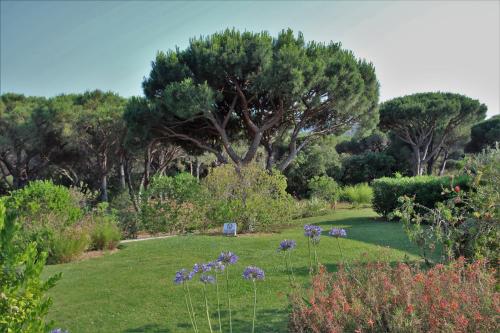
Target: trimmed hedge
[{"x": 427, "y": 190}]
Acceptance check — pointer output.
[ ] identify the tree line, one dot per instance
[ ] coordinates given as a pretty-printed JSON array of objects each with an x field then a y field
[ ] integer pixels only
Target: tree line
[{"x": 231, "y": 97}]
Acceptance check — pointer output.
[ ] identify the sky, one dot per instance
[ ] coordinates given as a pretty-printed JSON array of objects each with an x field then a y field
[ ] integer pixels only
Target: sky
[{"x": 53, "y": 47}]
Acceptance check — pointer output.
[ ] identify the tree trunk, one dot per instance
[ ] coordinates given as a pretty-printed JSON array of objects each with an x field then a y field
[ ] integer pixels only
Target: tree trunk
[
  {"x": 430, "y": 165},
  {"x": 104, "y": 188},
  {"x": 123, "y": 182},
  {"x": 147, "y": 167},
  {"x": 443, "y": 164},
  {"x": 198, "y": 164}
]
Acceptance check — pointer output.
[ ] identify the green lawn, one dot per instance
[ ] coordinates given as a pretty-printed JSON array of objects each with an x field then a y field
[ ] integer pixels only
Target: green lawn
[{"x": 132, "y": 290}]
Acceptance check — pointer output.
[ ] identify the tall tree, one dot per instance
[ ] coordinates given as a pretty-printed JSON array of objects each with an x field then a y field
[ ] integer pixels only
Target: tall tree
[
  {"x": 100, "y": 129},
  {"x": 233, "y": 86},
  {"x": 425, "y": 121},
  {"x": 484, "y": 134},
  {"x": 31, "y": 133}
]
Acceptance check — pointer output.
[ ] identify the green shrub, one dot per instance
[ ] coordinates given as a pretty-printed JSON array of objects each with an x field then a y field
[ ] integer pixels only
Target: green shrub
[
  {"x": 465, "y": 225},
  {"x": 427, "y": 190},
  {"x": 43, "y": 210},
  {"x": 173, "y": 204},
  {"x": 360, "y": 194},
  {"x": 366, "y": 167},
  {"x": 312, "y": 207},
  {"x": 254, "y": 198},
  {"x": 104, "y": 231},
  {"x": 67, "y": 245},
  {"x": 23, "y": 303},
  {"x": 325, "y": 188},
  {"x": 126, "y": 213}
]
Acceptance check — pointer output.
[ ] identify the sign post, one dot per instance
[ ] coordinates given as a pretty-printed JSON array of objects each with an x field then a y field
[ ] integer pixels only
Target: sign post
[{"x": 229, "y": 229}]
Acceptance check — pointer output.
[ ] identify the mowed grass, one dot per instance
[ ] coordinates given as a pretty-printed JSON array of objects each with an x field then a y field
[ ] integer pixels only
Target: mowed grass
[{"x": 132, "y": 290}]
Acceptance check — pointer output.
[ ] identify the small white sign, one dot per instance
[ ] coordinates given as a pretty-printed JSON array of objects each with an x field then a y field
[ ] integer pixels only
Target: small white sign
[{"x": 229, "y": 229}]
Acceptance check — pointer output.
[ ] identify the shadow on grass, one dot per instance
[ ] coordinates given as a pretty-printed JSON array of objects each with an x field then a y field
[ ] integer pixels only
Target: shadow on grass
[
  {"x": 267, "y": 320},
  {"x": 373, "y": 231},
  {"x": 148, "y": 328}
]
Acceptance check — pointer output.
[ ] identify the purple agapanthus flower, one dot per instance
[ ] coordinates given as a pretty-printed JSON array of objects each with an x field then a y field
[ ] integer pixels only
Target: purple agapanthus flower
[
  {"x": 183, "y": 275},
  {"x": 336, "y": 232},
  {"x": 217, "y": 266},
  {"x": 58, "y": 330},
  {"x": 228, "y": 258},
  {"x": 253, "y": 273},
  {"x": 196, "y": 268},
  {"x": 207, "y": 278},
  {"x": 206, "y": 267},
  {"x": 313, "y": 232},
  {"x": 287, "y": 245}
]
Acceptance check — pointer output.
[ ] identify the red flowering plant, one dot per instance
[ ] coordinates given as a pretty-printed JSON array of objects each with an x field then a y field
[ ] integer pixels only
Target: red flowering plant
[
  {"x": 468, "y": 224},
  {"x": 376, "y": 297}
]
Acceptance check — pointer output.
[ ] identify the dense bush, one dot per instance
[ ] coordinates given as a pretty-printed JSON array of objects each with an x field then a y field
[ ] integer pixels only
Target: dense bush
[
  {"x": 44, "y": 210},
  {"x": 104, "y": 231},
  {"x": 467, "y": 224},
  {"x": 325, "y": 188},
  {"x": 360, "y": 194},
  {"x": 377, "y": 297},
  {"x": 126, "y": 213},
  {"x": 253, "y": 197},
  {"x": 23, "y": 304},
  {"x": 318, "y": 159},
  {"x": 366, "y": 167},
  {"x": 427, "y": 190},
  {"x": 173, "y": 204}
]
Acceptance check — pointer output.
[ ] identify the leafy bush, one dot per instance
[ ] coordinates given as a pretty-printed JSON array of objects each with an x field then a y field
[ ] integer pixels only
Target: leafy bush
[
  {"x": 317, "y": 159},
  {"x": 427, "y": 190},
  {"x": 467, "y": 224},
  {"x": 379, "y": 298},
  {"x": 254, "y": 197},
  {"x": 312, "y": 207},
  {"x": 104, "y": 231},
  {"x": 68, "y": 244},
  {"x": 40, "y": 198},
  {"x": 360, "y": 194},
  {"x": 325, "y": 188},
  {"x": 44, "y": 210},
  {"x": 173, "y": 204},
  {"x": 23, "y": 304},
  {"x": 126, "y": 213},
  {"x": 366, "y": 167}
]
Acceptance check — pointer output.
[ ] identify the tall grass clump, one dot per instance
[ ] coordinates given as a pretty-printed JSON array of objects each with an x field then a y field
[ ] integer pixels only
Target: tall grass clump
[{"x": 359, "y": 194}]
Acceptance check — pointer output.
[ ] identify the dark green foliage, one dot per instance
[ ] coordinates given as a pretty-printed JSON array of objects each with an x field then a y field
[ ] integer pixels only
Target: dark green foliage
[
  {"x": 425, "y": 121},
  {"x": 366, "y": 167},
  {"x": 318, "y": 159},
  {"x": 427, "y": 190},
  {"x": 484, "y": 134},
  {"x": 23, "y": 304},
  {"x": 267, "y": 91},
  {"x": 30, "y": 136},
  {"x": 375, "y": 142}
]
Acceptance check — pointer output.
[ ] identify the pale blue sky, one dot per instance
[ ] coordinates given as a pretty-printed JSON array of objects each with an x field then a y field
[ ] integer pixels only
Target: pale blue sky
[{"x": 52, "y": 47}]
